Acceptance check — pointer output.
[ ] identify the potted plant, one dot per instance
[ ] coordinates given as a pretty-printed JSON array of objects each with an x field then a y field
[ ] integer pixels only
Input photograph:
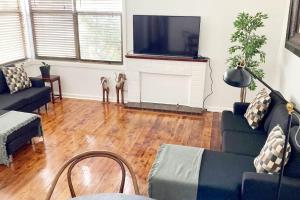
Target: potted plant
[
  {"x": 247, "y": 46},
  {"x": 45, "y": 70}
]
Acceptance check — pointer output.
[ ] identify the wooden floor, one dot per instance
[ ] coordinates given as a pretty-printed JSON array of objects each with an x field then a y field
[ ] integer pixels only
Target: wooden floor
[{"x": 75, "y": 126}]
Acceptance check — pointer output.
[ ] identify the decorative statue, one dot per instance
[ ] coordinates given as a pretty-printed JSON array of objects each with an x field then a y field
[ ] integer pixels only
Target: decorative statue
[
  {"x": 120, "y": 86},
  {"x": 105, "y": 88}
]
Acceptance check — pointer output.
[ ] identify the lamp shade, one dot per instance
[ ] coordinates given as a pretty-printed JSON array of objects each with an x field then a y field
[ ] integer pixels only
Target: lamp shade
[{"x": 237, "y": 77}]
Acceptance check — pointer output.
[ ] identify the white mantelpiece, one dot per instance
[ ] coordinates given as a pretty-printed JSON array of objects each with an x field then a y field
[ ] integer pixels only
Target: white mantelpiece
[{"x": 165, "y": 81}]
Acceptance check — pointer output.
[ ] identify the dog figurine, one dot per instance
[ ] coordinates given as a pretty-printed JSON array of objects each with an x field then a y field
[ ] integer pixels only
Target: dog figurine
[
  {"x": 105, "y": 88},
  {"x": 120, "y": 80}
]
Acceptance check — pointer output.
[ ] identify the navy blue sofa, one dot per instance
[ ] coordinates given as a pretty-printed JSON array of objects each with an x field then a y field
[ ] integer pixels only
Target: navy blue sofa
[
  {"x": 27, "y": 100},
  {"x": 230, "y": 174}
]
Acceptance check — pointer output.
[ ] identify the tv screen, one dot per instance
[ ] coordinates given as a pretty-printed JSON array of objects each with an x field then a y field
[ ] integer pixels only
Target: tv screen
[{"x": 166, "y": 35}]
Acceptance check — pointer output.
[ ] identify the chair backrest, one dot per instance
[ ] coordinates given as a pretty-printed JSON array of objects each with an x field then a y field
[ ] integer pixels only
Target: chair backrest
[{"x": 75, "y": 160}]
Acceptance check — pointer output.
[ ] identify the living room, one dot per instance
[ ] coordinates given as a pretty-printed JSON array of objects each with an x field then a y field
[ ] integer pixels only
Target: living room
[{"x": 90, "y": 90}]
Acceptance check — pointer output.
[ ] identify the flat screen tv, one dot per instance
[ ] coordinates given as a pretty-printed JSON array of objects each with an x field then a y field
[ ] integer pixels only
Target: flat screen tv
[{"x": 166, "y": 35}]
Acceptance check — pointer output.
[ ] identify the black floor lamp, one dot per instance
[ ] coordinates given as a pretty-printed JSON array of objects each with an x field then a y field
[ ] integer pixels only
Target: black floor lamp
[{"x": 241, "y": 77}]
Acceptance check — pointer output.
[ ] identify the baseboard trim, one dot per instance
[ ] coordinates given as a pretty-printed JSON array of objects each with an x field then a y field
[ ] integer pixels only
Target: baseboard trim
[
  {"x": 114, "y": 100},
  {"x": 87, "y": 97},
  {"x": 217, "y": 109}
]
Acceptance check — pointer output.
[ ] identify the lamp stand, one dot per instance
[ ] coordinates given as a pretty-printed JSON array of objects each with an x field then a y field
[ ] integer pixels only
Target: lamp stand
[
  {"x": 243, "y": 95},
  {"x": 290, "y": 109}
]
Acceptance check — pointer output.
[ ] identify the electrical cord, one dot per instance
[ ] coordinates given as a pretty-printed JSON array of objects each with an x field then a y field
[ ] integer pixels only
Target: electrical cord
[{"x": 211, "y": 84}]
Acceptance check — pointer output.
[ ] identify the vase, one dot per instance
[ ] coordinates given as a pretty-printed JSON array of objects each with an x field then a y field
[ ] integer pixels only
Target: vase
[{"x": 45, "y": 71}]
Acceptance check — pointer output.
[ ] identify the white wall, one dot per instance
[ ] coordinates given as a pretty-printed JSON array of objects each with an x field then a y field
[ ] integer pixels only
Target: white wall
[
  {"x": 80, "y": 80},
  {"x": 289, "y": 67},
  {"x": 216, "y": 28}
]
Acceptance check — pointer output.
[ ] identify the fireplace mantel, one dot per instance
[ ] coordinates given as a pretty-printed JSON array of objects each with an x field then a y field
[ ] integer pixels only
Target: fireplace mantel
[{"x": 169, "y": 58}]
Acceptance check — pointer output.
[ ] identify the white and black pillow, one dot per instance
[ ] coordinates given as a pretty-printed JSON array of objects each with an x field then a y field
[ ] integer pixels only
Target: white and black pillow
[
  {"x": 257, "y": 109},
  {"x": 16, "y": 78},
  {"x": 270, "y": 158}
]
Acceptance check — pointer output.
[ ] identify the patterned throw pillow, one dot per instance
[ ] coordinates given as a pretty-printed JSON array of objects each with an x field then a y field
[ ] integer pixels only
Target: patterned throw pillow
[
  {"x": 258, "y": 108},
  {"x": 16, "y": 78},
  {"x": 270, "y": 158}
]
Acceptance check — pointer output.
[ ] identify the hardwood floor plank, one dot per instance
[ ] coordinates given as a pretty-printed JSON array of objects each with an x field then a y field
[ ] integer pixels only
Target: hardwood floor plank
[{"x": 75, "y": 126}]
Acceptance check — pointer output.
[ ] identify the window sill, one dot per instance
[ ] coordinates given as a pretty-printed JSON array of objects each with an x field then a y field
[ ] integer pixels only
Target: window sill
[{"x": 77, "y": 64}]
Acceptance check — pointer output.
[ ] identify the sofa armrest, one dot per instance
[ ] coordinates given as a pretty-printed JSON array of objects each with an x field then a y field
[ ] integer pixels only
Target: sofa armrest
[
  {"x": 264, "y": 186},
  {"x": 240, "y": 108},
  {"x": 37, "y": 82}
]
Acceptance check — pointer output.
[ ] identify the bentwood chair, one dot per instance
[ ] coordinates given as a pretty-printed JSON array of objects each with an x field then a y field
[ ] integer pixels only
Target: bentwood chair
[{"x": 75, "y": 160}]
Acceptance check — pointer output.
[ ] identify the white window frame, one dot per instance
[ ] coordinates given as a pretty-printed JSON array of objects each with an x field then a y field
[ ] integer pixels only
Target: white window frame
[{"x": 75, "y": 14}]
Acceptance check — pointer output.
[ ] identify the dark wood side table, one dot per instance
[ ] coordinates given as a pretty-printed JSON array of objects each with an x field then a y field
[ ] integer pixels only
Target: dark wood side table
[{"x": 51, "y": 79}]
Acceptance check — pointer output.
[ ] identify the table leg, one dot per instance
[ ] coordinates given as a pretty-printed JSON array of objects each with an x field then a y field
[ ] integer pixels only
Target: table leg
[
  {"x": 52, "y": 92},
  {"x": 59, "y": 88}
]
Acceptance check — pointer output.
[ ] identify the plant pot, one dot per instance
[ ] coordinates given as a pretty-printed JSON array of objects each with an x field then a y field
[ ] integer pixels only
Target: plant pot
[{"x": 45, "y": 71}]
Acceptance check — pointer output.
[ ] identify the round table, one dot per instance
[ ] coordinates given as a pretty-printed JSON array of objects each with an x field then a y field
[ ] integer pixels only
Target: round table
[{"x": 111, "y": 196}]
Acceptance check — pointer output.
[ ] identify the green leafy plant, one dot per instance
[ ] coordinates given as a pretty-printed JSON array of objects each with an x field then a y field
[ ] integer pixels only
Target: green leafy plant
[{"x": 247, "y": 44}]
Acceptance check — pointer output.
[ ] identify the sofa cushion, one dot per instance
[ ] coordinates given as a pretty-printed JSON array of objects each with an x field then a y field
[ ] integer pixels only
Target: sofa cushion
[
  {"x": 16, "y": 78},
  {"x": 257, "y": 109},
  {"x": 238, "y": 123},
  {"x": 221, "y": 175},
  {"x": 3, "y": 85},
  {"x": 11, "y": 102},
  {"x": 275, "y": 100},
  {"x": 278, "y": 116},
  {"x": 292, "y": 168},
  {"x": 270, "y": 158},
  {"x": 20, "y": 99},
  {"x": 34, "y": 94},
  {"x": 243, "y": 143}
]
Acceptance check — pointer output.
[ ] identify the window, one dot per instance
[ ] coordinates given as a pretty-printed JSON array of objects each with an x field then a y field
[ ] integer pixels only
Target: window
[
  {"x": 78, "y": 29},
  {"x": 12, "y": 42},
  {"x": 293, "y": 32}
]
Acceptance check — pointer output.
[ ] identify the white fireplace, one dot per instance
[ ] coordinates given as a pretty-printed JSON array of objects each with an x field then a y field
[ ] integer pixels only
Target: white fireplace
[{"x": 167, "y": 82}]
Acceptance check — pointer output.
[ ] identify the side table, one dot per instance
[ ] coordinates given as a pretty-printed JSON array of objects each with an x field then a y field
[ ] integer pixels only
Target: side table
[{"x": 51, "y": 79}]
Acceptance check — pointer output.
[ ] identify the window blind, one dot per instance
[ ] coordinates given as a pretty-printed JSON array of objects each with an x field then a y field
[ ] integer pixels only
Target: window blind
[
  {"x": 99, "y": 5},
  {"x": 100, "y": 37},
  {"x": 53, "y": 28},
  {"x": 78, "y": 29},
  {"x": 12, "y": 45},
  {"x": 99, "y": 28}
]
